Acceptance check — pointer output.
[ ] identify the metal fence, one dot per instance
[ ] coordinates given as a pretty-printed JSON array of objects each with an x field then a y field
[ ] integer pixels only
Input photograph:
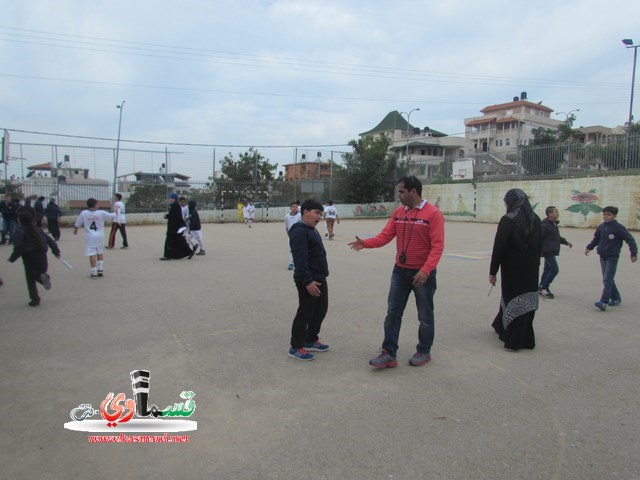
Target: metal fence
[
  {"x": 564, "y": 160},
  {"x": 146, "y": 197},
  {"x": 93, "y": 171}
]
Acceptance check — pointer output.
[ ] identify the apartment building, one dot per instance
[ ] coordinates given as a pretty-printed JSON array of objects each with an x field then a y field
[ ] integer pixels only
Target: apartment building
[
  {"x": 505, "y": 126},
  {"x": 424, "y": 149}
]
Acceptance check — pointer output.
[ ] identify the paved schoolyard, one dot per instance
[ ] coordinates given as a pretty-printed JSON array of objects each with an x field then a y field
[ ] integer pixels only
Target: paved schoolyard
[{"x": 219, "y": 325}]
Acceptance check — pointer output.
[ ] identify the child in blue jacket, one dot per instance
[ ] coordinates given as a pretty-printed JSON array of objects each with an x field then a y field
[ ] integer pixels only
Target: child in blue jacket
[{"x": 608, "y": 240}]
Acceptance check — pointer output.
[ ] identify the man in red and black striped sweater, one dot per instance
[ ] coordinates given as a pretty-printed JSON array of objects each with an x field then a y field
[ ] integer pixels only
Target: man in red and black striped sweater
[{"x": 418, "y": 228}]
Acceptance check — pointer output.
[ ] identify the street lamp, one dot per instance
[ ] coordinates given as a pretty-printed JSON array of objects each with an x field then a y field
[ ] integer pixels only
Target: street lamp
[
  {"x": 408, "y": 125},
  {"x": 567, "y": 114},
  {"x": 115, "y": 161},
  {"x": 628, "y": 43}
]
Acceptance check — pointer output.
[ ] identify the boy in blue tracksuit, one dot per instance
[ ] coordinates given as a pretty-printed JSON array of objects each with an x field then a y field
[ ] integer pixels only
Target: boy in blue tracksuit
[
  {"x": 608, "y": 240},
  {"x": 310, "y": 277}
]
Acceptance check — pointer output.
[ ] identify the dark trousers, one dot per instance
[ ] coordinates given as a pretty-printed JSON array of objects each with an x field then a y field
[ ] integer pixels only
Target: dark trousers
[
  {"x": 7, "y": 230},
  {"x": 54, "y": 228},
  {"x": 549, "y": 272},
  {"x": 609, "y": 265},
  {"x": 310, "y": 314},
  {"x": 35, "y": 264},
  {"x": 123, "y": 231}
]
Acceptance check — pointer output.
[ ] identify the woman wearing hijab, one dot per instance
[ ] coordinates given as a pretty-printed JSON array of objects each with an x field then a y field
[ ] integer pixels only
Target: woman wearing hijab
[
  {"x": 516, "y": 252},
  {"x": 175, "y": 246}
]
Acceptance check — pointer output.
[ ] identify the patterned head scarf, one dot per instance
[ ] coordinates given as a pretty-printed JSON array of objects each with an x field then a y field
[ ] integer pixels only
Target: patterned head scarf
[{"x": 525, "y": 220}]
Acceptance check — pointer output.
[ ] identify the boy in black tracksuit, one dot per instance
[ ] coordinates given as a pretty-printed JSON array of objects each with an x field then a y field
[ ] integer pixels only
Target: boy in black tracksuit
[
  {"x": 550, "y": 248},
  {"x": 30, "y": 243},
  {"x": 608, "y": 238},
  {"x": 310, "y": 277}
]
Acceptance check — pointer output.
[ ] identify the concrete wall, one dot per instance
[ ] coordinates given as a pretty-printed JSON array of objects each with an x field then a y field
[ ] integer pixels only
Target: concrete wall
[{"x": 578, "y": 200}]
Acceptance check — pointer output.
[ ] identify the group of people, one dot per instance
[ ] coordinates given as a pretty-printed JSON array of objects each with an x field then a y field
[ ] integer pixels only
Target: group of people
[
  {"x": 184, "y": 230},
  {"x": 11, "y": 207},
  {"x": 521, "y": 240},
  {"x": 418, "y": 227},
  {"x": 31, "y": 243}
]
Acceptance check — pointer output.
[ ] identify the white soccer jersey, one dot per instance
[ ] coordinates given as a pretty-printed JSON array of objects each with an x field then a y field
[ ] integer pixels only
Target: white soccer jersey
[
  {"x": 289, "y": 220},
  {"x": 118, "y": 209},
  {"x": 93, "y": 223},
  {"x": 330, "y": 212}
]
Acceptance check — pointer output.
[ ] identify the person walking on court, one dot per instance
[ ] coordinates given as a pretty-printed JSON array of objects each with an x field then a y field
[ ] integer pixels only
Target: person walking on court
[
  {"x": 418, "y": 228},
  {"x": 550, "y": 249},
  {"x": 331, "y": 217},
  {"x": 608, "y": 239},
  {"x": 289, "y": 220},
  {"x": 31, "y": 243},
  {"x": 91, "y": 220},
  {"x": 175, "y": 245},
  {"x": 119, "y": 223},
  {"x": 52, "y": 212},
  {"x": 516, "y": 253},
  {"x": 195, "y": 227}
]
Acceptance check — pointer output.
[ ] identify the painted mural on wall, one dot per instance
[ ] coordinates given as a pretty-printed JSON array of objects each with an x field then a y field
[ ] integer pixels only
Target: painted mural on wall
[
  {"x": 585, "y": 203},
  {"x": 370, "y": 210},
  {"x": 460, "y": 209}
]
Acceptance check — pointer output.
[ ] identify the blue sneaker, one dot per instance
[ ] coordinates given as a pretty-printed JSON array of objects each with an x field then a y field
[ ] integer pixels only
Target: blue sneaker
[
  {"x": 615, "y": 303},
  {"x": 300, "y": 354},
  {"x": 316, "y": 346},
  {"x": 601, "y": 305}
]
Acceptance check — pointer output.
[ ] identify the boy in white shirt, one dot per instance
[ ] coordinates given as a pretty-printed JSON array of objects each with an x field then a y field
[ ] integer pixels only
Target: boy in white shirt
[
  {"x": 249, "y": 213},
  {"x": 331, "y": 217},
  {"x": 92, "y": 220},
  {"x": 289, "y": 219},
  {"x": 119, "y": 223}
]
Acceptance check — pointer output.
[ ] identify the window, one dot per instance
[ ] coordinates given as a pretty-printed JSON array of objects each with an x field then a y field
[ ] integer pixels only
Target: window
[
  {"x": 496, "y": 143},
  {"x": 507, "y": 142}
]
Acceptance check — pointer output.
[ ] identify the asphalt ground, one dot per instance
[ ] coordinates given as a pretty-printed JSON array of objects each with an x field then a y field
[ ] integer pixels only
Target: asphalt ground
[{"x": 219, "y": 325}]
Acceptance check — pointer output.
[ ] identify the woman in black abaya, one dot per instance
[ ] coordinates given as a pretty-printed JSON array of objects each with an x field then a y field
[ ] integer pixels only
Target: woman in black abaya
[
  {"x": 516, "y": 252},
  {"x": 175, "y": 245}
]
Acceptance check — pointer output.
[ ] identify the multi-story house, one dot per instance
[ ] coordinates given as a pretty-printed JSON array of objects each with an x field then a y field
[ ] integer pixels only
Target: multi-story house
[{"x": 424, "y": 150}]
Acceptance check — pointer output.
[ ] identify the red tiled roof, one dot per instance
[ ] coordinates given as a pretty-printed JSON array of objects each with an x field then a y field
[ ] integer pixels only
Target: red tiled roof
[
  {"x": 519, "y": 103},
  {"x": 481, "y": 121},
  {"x": 42, "y": 166},
  {"x": 506, "y": 119}
]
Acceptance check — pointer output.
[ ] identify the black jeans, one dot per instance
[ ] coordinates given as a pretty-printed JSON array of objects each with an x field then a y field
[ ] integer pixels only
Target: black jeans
[
  {"x": 310, "y": 314},
  {"x": 35, "y": 264}
]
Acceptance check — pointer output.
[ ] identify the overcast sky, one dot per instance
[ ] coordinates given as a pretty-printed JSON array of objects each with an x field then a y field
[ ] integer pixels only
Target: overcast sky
[{"x": 301, "y": 73}]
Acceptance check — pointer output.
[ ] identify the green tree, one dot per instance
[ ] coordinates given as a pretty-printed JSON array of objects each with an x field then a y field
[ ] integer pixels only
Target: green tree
[
  {"x": 545, "y": 155},
  {"x": 369, "y": 170},
  {"x": 245, "y": 168}
]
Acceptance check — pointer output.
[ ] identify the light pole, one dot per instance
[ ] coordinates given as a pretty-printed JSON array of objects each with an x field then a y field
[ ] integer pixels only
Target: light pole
[
  {"x": 115, "y": 160},
  {"x": 568, "y": 114},
  {"x": 628, "y": 43},
  {"x": 408, "y": 125}
]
